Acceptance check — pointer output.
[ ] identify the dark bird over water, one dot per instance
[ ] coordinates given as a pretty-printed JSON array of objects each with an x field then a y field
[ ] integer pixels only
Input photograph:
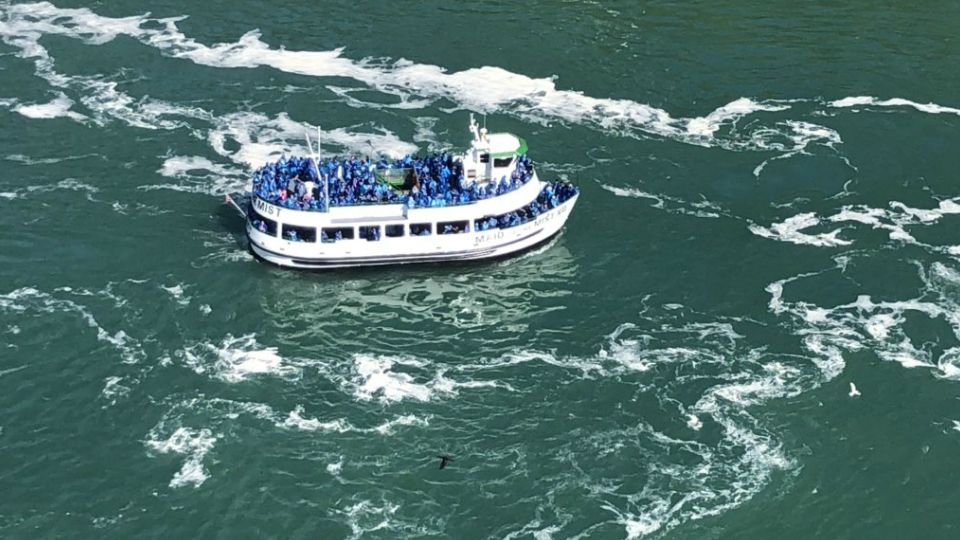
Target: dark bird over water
[{"x": 444, "y": 460}]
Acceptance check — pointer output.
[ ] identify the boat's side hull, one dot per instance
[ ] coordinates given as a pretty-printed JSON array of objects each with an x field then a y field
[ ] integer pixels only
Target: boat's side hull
[{"x": 480, "y": 245}]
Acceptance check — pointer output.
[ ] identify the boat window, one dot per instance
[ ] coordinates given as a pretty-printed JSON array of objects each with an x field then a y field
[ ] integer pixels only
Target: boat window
[
  {"x": 332, "y": 234},
  {"x": 262, "y": 224},
  {"x": 370, "y": 233},
  {"x": 299, "y": 234},
  {"x": 453, "y": 227},
  {"x": 505, "y": 162},
  {"x": 421, "y": 229},
  {"x": 394, "y": 231},
  {"x": 484, "y": 158}
]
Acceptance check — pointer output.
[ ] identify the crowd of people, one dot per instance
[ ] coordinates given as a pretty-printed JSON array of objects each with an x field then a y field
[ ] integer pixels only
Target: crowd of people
[
  {"x": 553, "y": 195},
  {"x": 433, "y": 181}
]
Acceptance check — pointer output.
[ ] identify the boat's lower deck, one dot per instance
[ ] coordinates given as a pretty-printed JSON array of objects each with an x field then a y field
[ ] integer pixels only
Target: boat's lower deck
[{"x": 385, "y": 250}]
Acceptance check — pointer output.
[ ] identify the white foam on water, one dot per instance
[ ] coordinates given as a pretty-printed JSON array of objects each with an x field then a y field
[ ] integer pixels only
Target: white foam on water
[
  {"x": 949, "y": 364},
  {"x": 35, "y": 191},
  {"x": 677, "y": 347},
  {"x": 924, "y": 215},
  {"x": 877, "y": 326},
  {"x": 384, "y": 519},
  {"x": 201, "y": 176},
  {"x": 391, "y": 379},
  {"x": 638, "y": 355},
  {"x": 194, "y": 444},
  {"x": 485, "y": 89},
  {"x": 405, "y": 420},
  {"x": 707, "y": 126},
  {"x": 296, "y": 420},
  {"x": 176, "y": 292},
  {"x": 641, "y": 526},
  {"x": 335, "y": 468},
  {"x": 240, "y": 358},
  {"x": 107, "y": 103},
  {"x": 637, "y": 526},
  {"x": 365, "y": 517},
  {"x": 140, "y": 209},
  {"x": 441, "y": 383},
  {"x": 23, "y": 29},
  {"x": 907, "y": 355},
  {"x": 702, "y": 209},
  {"x": 828, "y": 352},
  {"x": 206, "y": 309},
  {"x": 754, "y": 391},
  {"x": 635, "y": 193},
  {"x": 262, "y": 138},
  {"x": 237, "y": 359},
  {"x": 375, "y": 379},
  {"x": 31, "y": 299},
  {"x": 113, "y": 390},
  {"x": 130, "y": 351},
  {"x": 790, "y": 230},
  {"x": 586, "y": 366},
  {"x": 862, "y": 101},
  {"x": 184, "y": 166},
  {"x": 803, "y": 133},
  {"x": 75, "y": 185},
  {"x": 27, "y": 160},
  {"x": 425, "y": 134},
  {"x": 865, "y": 215},
  {"x": 57, "y": 108},
  {"x": 5, "y": 372},
  {"x": 405, "y": 102},
  {"x": 894, "y": 219}
]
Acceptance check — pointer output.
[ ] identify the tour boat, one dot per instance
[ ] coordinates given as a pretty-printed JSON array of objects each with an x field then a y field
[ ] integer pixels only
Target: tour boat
[{"x": 317, "y": 213}]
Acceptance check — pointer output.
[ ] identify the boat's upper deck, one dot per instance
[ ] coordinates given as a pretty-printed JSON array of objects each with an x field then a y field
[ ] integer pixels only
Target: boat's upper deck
[{"x": 494, "y": 165}]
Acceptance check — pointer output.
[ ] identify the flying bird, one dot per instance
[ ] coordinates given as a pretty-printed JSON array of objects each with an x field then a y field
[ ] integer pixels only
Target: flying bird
[
  {"x": 853, "y": 390},
  {"x": 444, "y": 460}
]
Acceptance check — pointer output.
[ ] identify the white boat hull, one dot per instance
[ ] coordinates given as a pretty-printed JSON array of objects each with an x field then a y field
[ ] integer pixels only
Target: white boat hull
[{"x": 473, "y": 245}]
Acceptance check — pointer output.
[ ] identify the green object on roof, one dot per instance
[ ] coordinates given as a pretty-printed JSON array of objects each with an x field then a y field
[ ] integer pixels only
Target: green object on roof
[
  {"x": 396, "y": 177},
  {"x": 521, "y": 149}
]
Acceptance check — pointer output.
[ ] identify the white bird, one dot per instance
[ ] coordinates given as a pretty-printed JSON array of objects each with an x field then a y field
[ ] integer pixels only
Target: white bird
[{"x": 853, "y": 390}]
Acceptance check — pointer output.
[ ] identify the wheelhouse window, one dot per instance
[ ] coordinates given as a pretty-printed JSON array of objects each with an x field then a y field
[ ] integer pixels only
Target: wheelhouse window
[
  {"x": 393, "y": 231},
  {"x": 453, "y": 227},
  {"x": 504, "y": 162},
  {"x": 370, "y": 233},
  {"x": 262, "y": 224},
  {"x": 334, "y": 234},
  {"x": 484, "y": 158},
  {"x": 421, "y": 229},
  {"x": 294, "y": 233}
]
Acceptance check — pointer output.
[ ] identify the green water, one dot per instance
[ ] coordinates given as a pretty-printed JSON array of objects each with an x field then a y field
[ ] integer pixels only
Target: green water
[{"x": 768, "y": 214}]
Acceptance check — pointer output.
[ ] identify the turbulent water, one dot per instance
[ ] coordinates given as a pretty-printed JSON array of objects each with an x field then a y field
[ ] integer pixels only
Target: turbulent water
[{"x": 749, "y": 328}]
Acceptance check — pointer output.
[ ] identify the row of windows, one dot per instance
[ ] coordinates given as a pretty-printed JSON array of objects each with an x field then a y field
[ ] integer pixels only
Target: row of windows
[{"x": 370, "y": 233}]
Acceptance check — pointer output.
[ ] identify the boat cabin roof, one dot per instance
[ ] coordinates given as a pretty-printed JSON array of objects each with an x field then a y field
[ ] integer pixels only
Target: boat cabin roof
[{"x": 501, "y": 145}]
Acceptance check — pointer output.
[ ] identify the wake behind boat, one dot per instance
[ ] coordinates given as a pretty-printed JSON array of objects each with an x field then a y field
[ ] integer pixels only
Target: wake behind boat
[{"x": 334, "y": 213}]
